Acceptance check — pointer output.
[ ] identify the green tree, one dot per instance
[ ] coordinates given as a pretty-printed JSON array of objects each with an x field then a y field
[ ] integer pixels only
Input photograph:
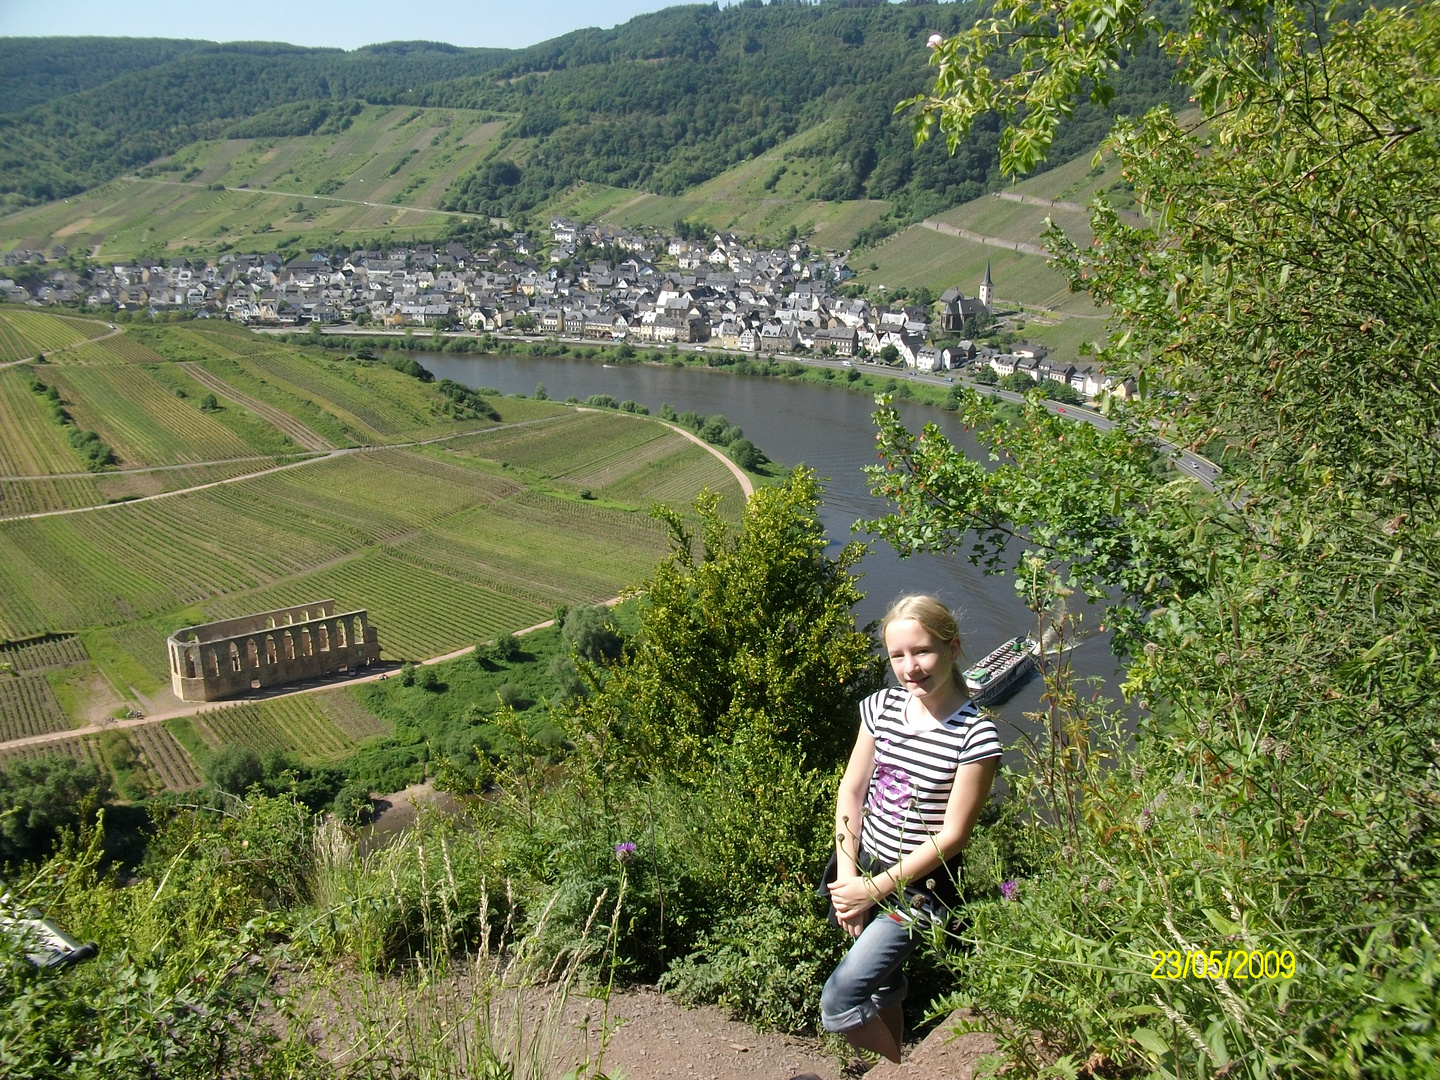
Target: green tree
[
  {"x": 985, "y": 375},
  {"x": 1278, "y": 791},
  {"x": 591, "y": 635},
  {"x": 746, "y": 454},
  {"x": 234, "y": 769},
  {"x": 40, "y": 798}
]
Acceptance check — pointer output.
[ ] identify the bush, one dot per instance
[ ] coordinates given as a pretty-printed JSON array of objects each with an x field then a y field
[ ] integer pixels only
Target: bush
[
  {"x": 745, "y": 454},
  {"x": 588, "y": 631},
  {"x": 513, "y": 697},
  {"x": 234, "y": 769}
]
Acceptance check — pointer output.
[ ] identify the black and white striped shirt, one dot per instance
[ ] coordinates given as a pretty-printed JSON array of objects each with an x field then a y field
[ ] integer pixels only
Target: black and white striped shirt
[{"x": 915, "y": 770}]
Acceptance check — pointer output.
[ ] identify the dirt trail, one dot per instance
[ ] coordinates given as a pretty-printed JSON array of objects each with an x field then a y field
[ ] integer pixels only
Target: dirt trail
[
  {"x": 659, "y": 1040},
  {"x": 989, "y": 241},
  {"x": 302, "y": 435}
]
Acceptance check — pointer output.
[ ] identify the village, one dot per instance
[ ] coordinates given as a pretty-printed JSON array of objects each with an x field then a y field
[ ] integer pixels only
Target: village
[{"x": 584, "y": 282}]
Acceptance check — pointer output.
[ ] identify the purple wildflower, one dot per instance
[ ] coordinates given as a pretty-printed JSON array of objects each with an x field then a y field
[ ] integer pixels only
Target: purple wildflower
[
  {"x": 1009, "y": 889},
  {"x": 625, "y": 851}
]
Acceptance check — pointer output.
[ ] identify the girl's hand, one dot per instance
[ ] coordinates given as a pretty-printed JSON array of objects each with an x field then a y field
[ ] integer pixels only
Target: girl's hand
[{"x": 852, "y": 899}]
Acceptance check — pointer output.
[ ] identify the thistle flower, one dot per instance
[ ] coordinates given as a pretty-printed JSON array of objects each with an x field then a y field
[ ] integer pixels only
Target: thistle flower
[
  {"x": 1009, "y": 889},
  {"x": 625, "y": 850}
]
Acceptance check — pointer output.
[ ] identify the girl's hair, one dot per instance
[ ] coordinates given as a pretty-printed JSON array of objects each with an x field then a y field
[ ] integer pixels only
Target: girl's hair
[{"x": 936, "y": 620}]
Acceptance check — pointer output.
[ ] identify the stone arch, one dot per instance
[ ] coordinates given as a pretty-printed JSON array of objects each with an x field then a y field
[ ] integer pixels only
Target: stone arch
[
  {"x": 324, "y": 635},
  {"x": 289, "y": 645},
  {"x": 234, "y": 657},
  {"x": 252, "y": 653},
  {"x": 270, "y": 655},
  {"x": 307, "y": 643},
  {"x": 214, "y": 659},
  {"x": 359, "y": 631},
  {"x": 341, "y": 640},
  {"x": 192, "y": 663}
]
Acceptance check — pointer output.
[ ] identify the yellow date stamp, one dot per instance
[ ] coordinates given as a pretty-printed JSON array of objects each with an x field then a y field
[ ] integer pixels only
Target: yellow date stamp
[{"x": 1222, "y": 964}]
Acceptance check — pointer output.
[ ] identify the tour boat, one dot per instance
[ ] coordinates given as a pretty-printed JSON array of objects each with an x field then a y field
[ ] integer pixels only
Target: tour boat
[{"x": 997, "y": 676}]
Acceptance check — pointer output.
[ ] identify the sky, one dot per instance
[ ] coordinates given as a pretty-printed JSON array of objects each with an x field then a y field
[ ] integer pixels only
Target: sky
[{"x": 495, "y": 23}]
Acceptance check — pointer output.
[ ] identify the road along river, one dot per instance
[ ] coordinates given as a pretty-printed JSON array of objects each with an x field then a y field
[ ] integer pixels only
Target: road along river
[{"x": 830, "y": 430}]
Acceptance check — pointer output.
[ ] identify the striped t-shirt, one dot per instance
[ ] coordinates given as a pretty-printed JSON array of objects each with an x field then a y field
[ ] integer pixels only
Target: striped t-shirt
[{"x": 915, "y": 770}]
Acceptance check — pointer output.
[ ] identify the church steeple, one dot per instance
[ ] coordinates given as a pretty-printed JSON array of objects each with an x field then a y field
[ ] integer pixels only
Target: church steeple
[{"x": 987, "y": 290}]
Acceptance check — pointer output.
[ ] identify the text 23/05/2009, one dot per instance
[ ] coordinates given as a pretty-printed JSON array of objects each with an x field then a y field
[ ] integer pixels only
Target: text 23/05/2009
[{"x": 1217, "y": 964}]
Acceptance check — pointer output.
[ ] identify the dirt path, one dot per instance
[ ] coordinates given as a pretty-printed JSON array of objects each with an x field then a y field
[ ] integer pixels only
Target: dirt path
[
  {"x": 1128, "y": 216},
  {"x": 64, "y": 348},
  {"x": 989, "y": 241},
  {"x": 277, "y": 418}
]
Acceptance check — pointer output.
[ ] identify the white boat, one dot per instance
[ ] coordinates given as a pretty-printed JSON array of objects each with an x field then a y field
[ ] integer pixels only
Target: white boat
[{"x": 997, "y": 676}]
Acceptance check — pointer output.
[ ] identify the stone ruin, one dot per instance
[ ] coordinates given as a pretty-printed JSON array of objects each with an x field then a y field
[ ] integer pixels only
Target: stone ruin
[{"x": 287, "y": 645}]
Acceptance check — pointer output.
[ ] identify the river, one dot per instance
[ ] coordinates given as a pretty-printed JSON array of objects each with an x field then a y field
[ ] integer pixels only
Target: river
[{"x": 830, "y": 430}]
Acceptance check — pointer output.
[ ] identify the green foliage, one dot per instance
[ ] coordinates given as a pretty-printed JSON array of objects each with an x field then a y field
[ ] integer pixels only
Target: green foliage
[
  {"x": 209, "y": 403},
  {"x": 234, "y": 769},
  {"x": 746, "y": 454},
  {"x": 41, "y": 797},
  {"x": 590, "y": 633},
  {"x": 1278, "y": 790}
]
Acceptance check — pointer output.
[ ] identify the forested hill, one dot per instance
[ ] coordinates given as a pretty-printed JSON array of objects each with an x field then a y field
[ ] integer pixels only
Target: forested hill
[{"x": 662, "y": 102}]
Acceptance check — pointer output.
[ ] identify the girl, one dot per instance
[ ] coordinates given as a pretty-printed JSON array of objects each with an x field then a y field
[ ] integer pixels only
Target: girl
[{"x": 918, "y": 776}]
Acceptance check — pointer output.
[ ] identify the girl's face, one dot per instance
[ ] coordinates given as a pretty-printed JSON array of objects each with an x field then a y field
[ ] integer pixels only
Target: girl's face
[{"x": 923, "y": 664}]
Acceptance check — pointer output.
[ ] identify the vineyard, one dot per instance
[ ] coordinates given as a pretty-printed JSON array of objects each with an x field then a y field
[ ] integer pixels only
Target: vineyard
[
  {"x": 308, "y": 412},
  {"x": 673, "y": 479},
  {"x": 46, "y": 333},
  {"x": 31, "y": 442},
  {"x": 121, "y": 349},
  {"x": 82, "y": 748},
  {"x": 55, "y": 652},
  {"x": 297, "y": 724},
  {"x": 142, "y": 421},
  {"x": 373, "y": 398},
  {"x": 569, "y": 443},
  {"x": 416, "y": 612},
  {"x": 28, "y": 707},
  {"x": 12, "y": 345},
  {"x": 165, "y": 758}
]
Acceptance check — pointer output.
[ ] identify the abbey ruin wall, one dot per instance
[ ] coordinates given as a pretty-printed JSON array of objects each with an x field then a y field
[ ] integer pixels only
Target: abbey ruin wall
[{"x": 272, "y": 648}]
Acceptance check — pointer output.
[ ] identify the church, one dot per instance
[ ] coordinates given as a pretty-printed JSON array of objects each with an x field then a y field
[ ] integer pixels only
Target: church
[{"x": 956, "y": 307}]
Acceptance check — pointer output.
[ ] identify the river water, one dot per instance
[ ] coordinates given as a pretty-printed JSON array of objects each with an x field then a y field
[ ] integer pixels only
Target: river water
[{"x": 830, "y": 430}]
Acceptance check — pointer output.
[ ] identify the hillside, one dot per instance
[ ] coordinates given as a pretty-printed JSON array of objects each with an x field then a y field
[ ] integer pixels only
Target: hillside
[
  {"x": 662, "y": 104},
  {"x": 245, "y": 474}
]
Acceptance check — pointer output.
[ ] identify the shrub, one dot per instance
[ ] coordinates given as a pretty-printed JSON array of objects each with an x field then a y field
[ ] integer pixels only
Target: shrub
[{"x": 234, "y": 769}]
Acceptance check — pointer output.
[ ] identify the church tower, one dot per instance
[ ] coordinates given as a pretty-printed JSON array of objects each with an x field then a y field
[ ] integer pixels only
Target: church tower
[{"x": 987, "y": 290}]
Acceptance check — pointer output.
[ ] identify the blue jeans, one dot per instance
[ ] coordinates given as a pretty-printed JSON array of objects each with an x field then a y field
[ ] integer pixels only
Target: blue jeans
[{"x": 869, "y": 978}]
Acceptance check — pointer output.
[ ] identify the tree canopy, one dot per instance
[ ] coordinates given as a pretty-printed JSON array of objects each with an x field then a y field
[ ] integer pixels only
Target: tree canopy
[{"x": 1280, "y": 793}]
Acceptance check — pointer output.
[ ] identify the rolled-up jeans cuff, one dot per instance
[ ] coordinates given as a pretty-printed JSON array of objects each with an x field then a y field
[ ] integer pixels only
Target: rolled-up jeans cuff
[{"x": 862, "y": 1014}]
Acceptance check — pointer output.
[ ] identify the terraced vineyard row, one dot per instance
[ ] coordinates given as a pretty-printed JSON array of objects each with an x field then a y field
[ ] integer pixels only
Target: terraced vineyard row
[
  {"x": 623, "y": 458},
  {"x": 297, "y": 724},
  {"x": 352, "y": 718},
  {"x": 38, "y": 496},
  {"x": 28, "y": 707},
  {"x": 144, "y": 423},
  {"x": 121, "y": 349},
  {"x": 165, "y": 757},
  {"x": 12, "y": 345},
  {"x": 82, "y": 748},
  {"x": 145, "y": 644},
  {"x": 416, "y": 612},
  {"x": 41, "y": 655},
  {"x": 129, "y": 562},
  {"x": 561, "y": 446},
  {"x": 311, "y": 414},
  {"x": 376, "y": 397},
  {"x": 31, "y": 442},
  {"x": 45, "y": 333},
  {"x": 675, "y": 479}
]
